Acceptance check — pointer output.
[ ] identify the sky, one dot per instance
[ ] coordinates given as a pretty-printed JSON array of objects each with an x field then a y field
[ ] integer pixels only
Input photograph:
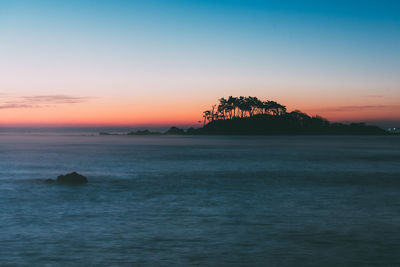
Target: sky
[{"x": 163, "y": 62}]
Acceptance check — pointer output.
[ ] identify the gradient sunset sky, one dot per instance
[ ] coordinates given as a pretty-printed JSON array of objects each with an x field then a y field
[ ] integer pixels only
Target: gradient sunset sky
[{"x": 164, "y": 62}]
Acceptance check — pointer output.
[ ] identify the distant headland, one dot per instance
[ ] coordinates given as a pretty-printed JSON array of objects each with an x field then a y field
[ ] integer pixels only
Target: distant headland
[{"x": 252, "y": 116}]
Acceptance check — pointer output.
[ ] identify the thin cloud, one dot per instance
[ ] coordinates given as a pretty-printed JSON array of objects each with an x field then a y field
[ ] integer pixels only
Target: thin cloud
[
  {"x": 41, "y": 101},
  {"x": 15, "y": 105},
  {"x": 54, "y": 99},
  {"x": 361, "y": 108}
]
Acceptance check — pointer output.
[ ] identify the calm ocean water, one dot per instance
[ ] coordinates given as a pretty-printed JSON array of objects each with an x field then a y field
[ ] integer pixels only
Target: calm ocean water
[{"x": 173, "y": 200}]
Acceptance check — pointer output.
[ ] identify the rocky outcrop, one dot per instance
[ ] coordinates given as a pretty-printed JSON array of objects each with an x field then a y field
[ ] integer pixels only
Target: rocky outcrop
[{"x": 72, "y": 178}]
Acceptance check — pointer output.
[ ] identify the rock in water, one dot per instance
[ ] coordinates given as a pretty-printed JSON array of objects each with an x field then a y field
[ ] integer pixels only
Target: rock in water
[{"x": 72, "y": 178}]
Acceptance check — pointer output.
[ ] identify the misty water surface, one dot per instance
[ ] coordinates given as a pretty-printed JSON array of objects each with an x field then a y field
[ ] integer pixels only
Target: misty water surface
[{"x": 177, "y": 200}]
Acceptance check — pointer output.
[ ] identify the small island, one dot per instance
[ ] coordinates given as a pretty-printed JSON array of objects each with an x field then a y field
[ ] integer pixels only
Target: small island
[{"x": 252, "y": 116}]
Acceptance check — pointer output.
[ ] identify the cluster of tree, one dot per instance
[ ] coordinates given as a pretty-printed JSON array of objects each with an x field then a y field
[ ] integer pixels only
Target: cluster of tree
[
  {"x": 241, "y": 107},
  {"x": 252, "y": 116}
]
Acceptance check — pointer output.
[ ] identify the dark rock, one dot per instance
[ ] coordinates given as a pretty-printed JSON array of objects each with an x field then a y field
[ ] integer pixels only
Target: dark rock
[
  {"x": 72, "y": 178},
  {"x": 49, "y": 181},
  {"x": 175, "y": 131},
  {"x": 143, "y": 132},
  {"x": 105, "y": 133}
]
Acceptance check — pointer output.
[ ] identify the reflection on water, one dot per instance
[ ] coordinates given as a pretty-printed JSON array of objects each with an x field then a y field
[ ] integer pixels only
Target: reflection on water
[{"x": 162, "y": 200}]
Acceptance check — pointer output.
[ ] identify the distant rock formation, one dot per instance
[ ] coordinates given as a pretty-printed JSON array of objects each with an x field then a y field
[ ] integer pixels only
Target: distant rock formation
[
  {"x": 105, "y": 133},
  {"x": 143, "y": 132},
  {"x": 286, "y": 124},
  {"x": 252, "y": 116},
  {"x": 72, "y": 178},
  {"x": 175, "y": 131}
]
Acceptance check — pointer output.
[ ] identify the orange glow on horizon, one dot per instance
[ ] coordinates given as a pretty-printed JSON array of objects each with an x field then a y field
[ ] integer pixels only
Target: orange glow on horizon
[
  {"x": 192, "y": 116},
  {"x": 177, "y": 111}
]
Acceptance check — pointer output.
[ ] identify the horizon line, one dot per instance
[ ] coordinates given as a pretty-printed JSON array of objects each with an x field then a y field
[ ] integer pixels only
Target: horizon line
[{"x": 379, "y": 123}]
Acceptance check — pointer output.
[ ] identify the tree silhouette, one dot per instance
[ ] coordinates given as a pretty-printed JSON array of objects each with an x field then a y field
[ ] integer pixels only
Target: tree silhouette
[
  {"x": 206, "y": 116},
  {"x": 251, "y": 115},
  {"x": 241, "y": 107}
]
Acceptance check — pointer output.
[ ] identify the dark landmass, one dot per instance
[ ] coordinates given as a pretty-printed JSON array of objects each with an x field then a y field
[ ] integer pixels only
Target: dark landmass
[
  {"x": 105, "y": 133},
  {"x": 72, "y": 178},
  {"x": 251, "y": 116},
  {"x": 143, "y": 132},
  {"x": 175, "y": 131},
  {"x": 286, "y": 124},
  {"x": 272, "y": 125}
]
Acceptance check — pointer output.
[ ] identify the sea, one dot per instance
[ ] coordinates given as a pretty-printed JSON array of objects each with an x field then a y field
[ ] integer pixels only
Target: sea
[{"x": 199, "y": 200}]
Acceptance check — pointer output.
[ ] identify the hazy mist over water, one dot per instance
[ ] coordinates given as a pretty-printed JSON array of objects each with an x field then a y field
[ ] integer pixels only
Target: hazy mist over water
[{"x": 200, "y": 200}]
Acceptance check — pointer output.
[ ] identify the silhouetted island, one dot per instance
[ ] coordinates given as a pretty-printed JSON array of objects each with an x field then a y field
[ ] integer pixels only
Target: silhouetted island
[{"x": 252, "y": 116}]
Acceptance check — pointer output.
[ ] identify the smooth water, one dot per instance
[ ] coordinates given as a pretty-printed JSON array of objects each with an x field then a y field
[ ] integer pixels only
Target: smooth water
[{"x": 176, "y": 200}]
